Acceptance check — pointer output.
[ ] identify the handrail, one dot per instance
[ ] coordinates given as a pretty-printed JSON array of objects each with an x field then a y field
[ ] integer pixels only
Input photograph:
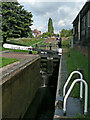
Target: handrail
[
  {"x": 69, "y": 91},
  {"x": 69, "y": 78}
]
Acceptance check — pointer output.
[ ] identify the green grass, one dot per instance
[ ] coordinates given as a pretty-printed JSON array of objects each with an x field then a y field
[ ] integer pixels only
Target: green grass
[
  {"x": 25, "y": 41},
  {"x": 6, "y": 61},
  {"x": 78, "y": 60},
  {"x": 41, "y": 43},
  {"x": 26, "y": 51},
  {"x": 12, "y": 50},
  {"x": 3, "y": 49},
  {"x": 34, "y": 52}
]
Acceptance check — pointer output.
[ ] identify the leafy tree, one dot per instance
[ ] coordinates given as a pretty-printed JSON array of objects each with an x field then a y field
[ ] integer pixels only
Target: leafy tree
[
  {"x": 50, "y": 26},
  {"x": 16, "y": 21},
  {"x": 66, "y": 33},
  {"x": 49, "y": 34},
  {"x": 44, "y": 35}
]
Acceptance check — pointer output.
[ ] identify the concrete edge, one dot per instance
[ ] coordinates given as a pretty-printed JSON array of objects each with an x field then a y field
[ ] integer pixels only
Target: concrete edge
[
  {"x": 59, "y": 77},
  {"x": 59, "y": 85},
  {"x": 15, "y": 69}
]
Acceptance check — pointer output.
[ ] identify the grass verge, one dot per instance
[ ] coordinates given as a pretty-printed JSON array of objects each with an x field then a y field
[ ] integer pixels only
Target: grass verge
[
  {"x": 78, "y": 60},
  {"x": 3, "y": 49},
  {"x": 13, "y": 50},
  {"x": 25, "y": 41},
  {"x": 6, "y": 61}
]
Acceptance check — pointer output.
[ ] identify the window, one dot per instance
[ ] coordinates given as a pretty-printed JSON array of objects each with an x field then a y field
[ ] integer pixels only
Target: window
[
  {"x": 89, "y": 18},
  {"x": 73, "y": 30}
]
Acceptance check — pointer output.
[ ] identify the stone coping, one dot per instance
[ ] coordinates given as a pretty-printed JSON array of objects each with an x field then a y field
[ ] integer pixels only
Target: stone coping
[{"x": 15, "y": 68}]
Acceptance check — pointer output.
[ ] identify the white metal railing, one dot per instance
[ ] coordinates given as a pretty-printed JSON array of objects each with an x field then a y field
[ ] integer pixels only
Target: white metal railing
[
  {"x": 69, "y": 78},
  {"x": 59, "y": 50},
  {"x": 69, "y": 91}
]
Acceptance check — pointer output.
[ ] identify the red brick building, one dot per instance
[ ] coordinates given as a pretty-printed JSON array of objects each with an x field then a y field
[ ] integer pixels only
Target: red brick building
[{"x": 36, "y": 33}]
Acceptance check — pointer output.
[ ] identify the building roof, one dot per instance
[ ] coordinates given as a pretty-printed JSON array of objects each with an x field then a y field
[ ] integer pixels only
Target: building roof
[
  {"x": 36, "y": 31},
  {"x": 84, "y": 9}
]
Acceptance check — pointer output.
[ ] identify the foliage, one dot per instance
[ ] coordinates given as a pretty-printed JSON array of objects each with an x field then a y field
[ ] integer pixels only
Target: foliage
[
  {"x": 16, "y": 21},
  {"x": 56, "y": 35},
  {"x": 50, "y": 26},
  {"x": 66, "y": 33},
  {"x": 66, "y": 43},
  {"x": 48, "y": 34}
]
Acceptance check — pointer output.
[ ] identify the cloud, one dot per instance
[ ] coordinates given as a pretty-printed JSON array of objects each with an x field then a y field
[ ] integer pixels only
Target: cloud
[
  {"x": 61, "y": 23},
  {"x": 33, "y": 1},
  {"x": 62, "y": 14}
]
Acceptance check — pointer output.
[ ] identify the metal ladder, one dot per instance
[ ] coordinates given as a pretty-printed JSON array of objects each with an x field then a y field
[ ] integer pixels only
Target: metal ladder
[{"x": 65, "y": 96}]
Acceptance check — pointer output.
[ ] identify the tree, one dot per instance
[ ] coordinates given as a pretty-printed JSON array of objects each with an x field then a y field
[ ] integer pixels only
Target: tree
[
  {"x": 16, "y": 21},
  {"x": 50, "y": 26},
  {"x": 66, "y": 33}
]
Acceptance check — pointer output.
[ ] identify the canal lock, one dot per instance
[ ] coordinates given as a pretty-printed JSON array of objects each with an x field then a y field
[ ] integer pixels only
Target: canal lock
[{"x": 43, "y": 105}]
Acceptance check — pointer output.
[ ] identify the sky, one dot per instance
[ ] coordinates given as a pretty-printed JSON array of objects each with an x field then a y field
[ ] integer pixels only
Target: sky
[{"x": 62, "y": 12}]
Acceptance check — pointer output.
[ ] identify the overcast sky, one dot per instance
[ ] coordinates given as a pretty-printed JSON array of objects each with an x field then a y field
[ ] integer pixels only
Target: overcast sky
[{"x": 62, "y": 13}]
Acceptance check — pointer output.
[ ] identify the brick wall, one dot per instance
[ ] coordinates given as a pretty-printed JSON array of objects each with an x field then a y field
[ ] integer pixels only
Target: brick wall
[{"x": 82, "y": 49}]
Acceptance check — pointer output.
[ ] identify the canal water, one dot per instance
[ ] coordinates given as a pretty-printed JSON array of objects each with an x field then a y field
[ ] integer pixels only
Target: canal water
[{"x": 43, "y": 105}]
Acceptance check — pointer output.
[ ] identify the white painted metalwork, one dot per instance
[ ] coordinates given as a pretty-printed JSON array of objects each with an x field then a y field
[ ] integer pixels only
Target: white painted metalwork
[
  {"x": 69, "y": 91},
  {"x": 42, "y": 52},
  {"x": 69, "y": 78},
  {"x": 59, "y": 50},
  {"x": 11, "y": 46},
  {"x": 49, "y": 58}
]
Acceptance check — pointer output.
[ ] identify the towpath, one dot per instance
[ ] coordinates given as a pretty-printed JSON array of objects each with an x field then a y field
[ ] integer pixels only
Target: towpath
[{"x": 20, "y": 56}]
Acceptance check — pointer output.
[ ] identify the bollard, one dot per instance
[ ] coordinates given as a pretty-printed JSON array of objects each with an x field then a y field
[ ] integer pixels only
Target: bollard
[
  {"x": 50, "y": 46},
  {"x": 36, "y": 45},
  {"x": 30, "y": 50},
  {"x": 60, "y": 44}
]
